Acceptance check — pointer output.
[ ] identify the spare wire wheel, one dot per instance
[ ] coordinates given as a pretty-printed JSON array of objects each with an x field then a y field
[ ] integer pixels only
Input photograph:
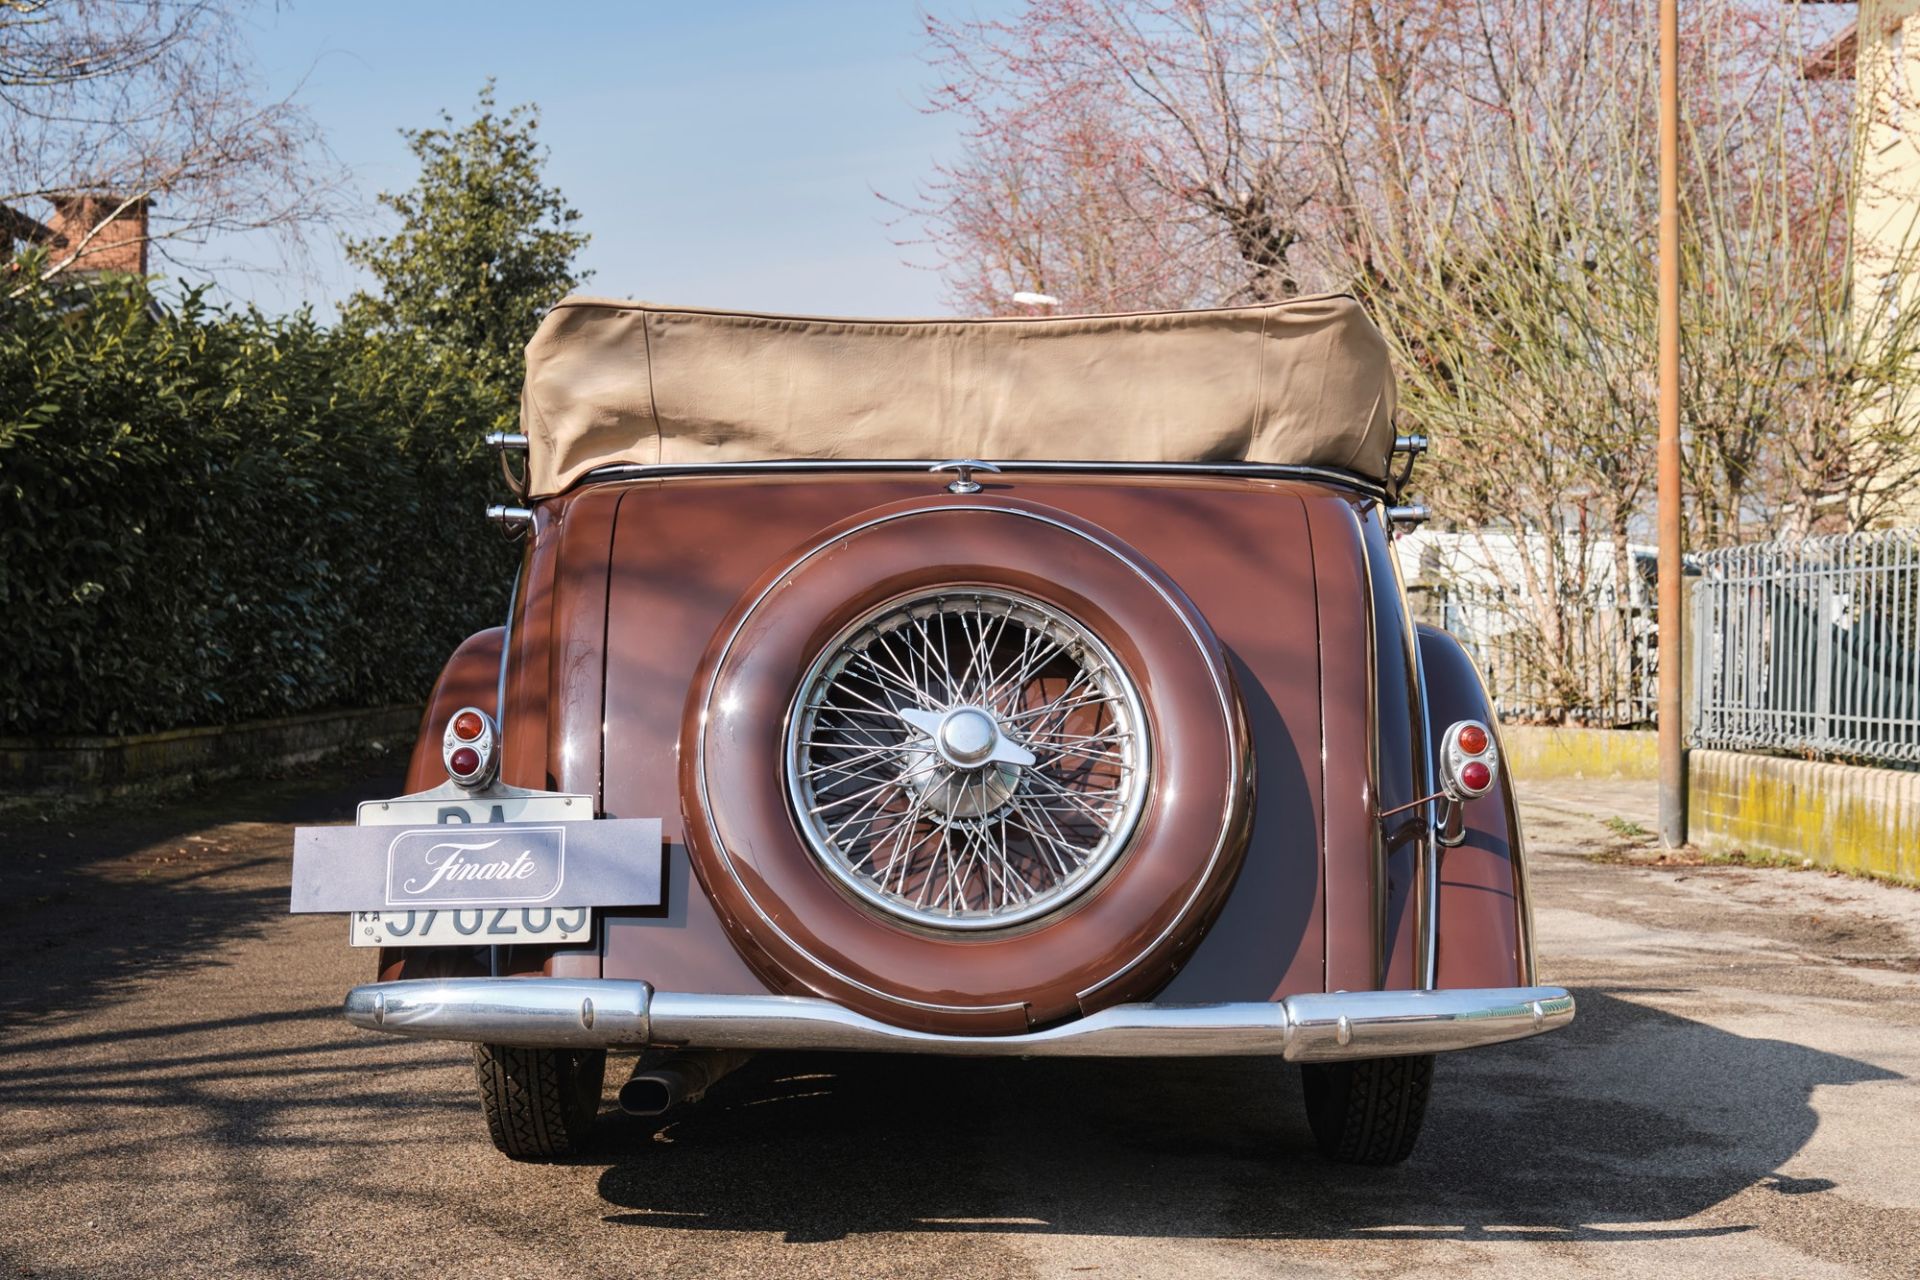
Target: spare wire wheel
[{"x": 967, "y": 758}]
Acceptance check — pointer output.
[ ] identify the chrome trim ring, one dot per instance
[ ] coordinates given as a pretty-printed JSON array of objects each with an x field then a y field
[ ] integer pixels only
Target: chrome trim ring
[{"x": 967, "y": 758}]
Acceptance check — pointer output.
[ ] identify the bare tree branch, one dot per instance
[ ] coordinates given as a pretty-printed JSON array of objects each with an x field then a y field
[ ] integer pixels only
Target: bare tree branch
[{"x": 153, "y": 105}]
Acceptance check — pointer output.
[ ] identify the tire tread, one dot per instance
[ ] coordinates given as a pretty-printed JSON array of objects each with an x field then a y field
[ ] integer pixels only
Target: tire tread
[
  {"x": 1368, "y": 1112},
  {"x": 539, "y": 1103}
]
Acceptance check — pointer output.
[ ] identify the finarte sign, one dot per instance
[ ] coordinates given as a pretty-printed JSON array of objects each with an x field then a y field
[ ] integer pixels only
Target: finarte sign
[
  {"x": 604, "y": 862},
  {"x": 520, "y": 867}
]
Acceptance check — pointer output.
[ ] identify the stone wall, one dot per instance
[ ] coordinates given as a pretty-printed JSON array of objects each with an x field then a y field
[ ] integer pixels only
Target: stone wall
[{"x": 90, "y": 769}]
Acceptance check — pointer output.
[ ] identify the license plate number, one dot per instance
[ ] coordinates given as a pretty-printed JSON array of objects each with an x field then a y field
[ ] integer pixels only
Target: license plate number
[{"x": 471, "y": 926}]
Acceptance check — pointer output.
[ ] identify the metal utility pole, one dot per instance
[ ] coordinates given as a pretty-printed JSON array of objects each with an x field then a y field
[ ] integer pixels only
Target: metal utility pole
[{"x": 1673, "y": 782}]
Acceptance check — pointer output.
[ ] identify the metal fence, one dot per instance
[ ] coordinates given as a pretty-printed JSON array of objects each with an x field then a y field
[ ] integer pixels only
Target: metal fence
[
  {"x": 1811, "y": 646},
  {"x": 1595, "y": 662}
]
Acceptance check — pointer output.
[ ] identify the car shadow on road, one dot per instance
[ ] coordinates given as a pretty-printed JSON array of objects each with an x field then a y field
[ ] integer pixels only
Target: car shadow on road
[{"x": 1621, "y": 1128}]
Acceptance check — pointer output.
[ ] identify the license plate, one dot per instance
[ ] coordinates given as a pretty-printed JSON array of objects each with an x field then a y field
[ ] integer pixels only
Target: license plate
[
  {"x": 421, "y": 813},
  {"x": 472, "y": 926}
]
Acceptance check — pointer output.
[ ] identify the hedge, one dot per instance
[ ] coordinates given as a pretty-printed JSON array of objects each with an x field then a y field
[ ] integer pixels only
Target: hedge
[{"x": 209, "y": 516}]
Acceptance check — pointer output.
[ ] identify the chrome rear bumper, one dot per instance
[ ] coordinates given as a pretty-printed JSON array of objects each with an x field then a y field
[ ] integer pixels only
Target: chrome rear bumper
[{"x": 595, "y": 1013}]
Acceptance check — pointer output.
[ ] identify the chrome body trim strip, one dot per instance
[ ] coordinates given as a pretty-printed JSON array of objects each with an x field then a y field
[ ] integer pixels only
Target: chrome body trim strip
[
  {"x": 1426, "y": 913},
  {"x": 602, "y": 1012},
  {"x": 1382, "y": 848},
  {"x": 802, "y": 466},
  {"x": 494, "y": 954},
  {"x": 1431, "y": 849},
  {"x": 506, "y": 648}
]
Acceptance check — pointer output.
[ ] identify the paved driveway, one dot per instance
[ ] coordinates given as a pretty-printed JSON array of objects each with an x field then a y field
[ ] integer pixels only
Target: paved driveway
[{"x": 178, "y": 1098}]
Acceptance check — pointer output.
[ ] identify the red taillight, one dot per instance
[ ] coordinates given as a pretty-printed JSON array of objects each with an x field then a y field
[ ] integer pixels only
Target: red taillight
[
  {"x": 470, "y": 748},
  {"x": 1468, "y": 758}
]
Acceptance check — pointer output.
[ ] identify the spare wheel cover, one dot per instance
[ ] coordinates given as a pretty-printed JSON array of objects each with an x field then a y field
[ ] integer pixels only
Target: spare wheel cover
[{"x": 1046, "y": 917}]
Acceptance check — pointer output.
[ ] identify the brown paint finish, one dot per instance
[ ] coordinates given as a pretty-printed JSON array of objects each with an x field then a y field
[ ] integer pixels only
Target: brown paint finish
[
  {"x": 1350, "y": 843},
  {"x": 574, "y": 699},
  {"x": 682, "y": 555},
  {"x": 1246, "y": 557},
  {"x": 575, "y": 682},
  {"x": 523, "y": 720},
  {"x": 688, "y": 549},
  {"x": 1480, "y": 943},
  {"x": 471, "y": 678},
  {"x": 1115, "y": 942},
  {"x": 628, "y": 583}
]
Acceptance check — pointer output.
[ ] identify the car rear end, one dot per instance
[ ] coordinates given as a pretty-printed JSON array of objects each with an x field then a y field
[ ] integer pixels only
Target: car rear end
[{"x": 1129, "y": 757}]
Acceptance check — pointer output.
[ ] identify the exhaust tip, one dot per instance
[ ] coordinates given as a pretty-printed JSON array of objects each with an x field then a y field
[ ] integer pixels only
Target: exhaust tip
[{"x": 646, "y": 1095}]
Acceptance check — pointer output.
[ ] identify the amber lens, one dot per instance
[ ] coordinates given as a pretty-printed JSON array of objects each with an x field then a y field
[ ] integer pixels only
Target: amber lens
[
  {"x": 1473, "y": 739},
  {"x": 466, "y": 726}
]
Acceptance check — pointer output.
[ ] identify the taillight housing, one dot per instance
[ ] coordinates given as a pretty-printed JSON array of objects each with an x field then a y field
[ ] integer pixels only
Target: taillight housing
[
  {"x": 470, "y": 748},
  {"x": 1469, "y": 760}
]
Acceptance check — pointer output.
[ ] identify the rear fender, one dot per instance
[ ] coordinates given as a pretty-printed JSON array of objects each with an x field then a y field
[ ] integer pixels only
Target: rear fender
[
  {"x": 1485, "y": 917},
  {"x": 471, "y": 678}
]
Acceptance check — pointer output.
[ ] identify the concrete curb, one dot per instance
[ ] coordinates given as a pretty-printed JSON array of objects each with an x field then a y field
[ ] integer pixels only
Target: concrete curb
[
  {"x": 89, "y": 769},
  {"x": 1839, "y": 815}
]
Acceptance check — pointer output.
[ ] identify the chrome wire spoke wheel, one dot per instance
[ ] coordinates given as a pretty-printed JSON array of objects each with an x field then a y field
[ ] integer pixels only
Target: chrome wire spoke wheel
[{"x": 967, "y": 759}]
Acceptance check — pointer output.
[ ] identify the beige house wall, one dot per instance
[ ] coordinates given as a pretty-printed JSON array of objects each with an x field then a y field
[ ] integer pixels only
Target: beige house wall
[{"x": 1886, "y": 246}]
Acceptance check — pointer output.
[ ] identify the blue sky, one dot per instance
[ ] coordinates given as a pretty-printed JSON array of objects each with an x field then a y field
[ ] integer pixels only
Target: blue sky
[{"x": 722, "y": 154}]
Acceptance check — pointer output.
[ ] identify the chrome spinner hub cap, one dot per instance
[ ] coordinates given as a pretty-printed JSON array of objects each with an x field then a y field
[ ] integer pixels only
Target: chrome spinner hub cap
[
  {"x": 967, "y": 759},
  {"x": 967, "y": 737}
]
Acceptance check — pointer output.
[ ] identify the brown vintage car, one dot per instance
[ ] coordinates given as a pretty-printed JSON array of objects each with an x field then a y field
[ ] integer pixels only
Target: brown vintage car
[{"x": 1025, "y": 687}]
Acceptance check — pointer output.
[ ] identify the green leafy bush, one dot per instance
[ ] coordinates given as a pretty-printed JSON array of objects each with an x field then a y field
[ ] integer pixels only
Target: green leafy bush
[{"x": 209, "y": 516}]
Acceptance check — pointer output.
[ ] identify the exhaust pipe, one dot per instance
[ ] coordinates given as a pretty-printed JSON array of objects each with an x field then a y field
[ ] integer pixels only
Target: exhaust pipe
[{"x": 658, "y": 1086}]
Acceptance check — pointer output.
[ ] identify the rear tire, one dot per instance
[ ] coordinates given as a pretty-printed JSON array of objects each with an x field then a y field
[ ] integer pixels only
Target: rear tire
[
  {"x": 539, "y": 1103},
  {"x": 1367, "y": 1112}
]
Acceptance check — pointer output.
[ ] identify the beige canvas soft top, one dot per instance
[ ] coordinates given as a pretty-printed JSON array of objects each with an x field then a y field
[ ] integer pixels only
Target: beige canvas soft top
[{"x": 1302, "y": 382}]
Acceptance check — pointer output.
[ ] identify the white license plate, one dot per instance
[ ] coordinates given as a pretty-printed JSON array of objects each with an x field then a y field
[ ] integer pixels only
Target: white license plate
[
  {"x": 421, "y": 813},
  {"x": 472, "y": 926}
]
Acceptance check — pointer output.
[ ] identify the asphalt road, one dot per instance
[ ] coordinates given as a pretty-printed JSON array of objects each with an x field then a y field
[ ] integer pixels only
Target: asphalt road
[{"x": 178, "y": 1097}]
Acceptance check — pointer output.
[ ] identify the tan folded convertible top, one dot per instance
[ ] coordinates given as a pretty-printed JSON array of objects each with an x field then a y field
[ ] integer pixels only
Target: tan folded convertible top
[{"x": 1302, "y": 382}]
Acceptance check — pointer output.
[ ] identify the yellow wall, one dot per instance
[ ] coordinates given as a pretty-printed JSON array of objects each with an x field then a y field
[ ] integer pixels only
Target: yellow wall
[
  {"x": 1842, "y": 816},
  {"x": 1535, "y": 752}
]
